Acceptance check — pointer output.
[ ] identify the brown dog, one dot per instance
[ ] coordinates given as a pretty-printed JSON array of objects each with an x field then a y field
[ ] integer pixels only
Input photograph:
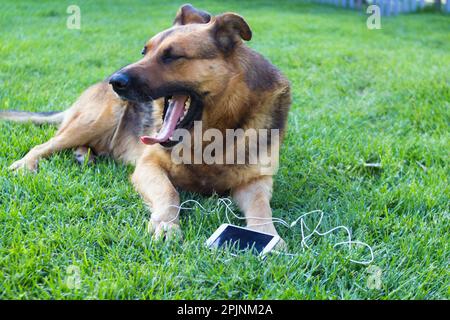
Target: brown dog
[
  {"x": 204, "y": 72},
  {"x": 198, "y": 70},
  {"x": 99, "y": 120}
]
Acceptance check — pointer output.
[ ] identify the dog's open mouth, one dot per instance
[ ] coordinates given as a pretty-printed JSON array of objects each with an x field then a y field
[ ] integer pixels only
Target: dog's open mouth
[{"x": 180, "y": 111}]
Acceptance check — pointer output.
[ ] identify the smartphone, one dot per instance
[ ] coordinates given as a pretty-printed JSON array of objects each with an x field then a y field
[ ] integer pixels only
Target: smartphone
[{"x": 242, "y": 239}]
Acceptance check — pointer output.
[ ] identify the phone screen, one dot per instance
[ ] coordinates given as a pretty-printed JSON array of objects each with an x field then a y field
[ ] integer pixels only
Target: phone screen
[{"x": 242, "y": 239}]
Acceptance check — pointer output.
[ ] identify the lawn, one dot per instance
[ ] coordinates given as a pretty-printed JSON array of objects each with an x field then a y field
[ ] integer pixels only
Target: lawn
[{"x": 359, "y": 97}]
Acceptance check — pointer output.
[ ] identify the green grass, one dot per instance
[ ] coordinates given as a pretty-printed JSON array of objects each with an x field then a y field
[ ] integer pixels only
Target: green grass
[{"x": 359, "y": 96}]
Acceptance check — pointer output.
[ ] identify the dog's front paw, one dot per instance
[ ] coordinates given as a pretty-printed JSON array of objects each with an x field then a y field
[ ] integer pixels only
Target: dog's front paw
[
  {"x": 24, "y": 164},
  {"x": 162, "y": 230}
]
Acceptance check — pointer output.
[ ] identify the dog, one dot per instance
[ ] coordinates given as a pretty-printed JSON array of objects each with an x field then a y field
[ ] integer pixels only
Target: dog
[
  {"x": 204, "y": 73},
  {"x": 199, "y": 70},
  {"x": 99, "y": 122}
]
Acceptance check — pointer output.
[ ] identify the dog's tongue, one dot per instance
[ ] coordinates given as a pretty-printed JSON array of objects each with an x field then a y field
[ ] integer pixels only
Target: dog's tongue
[{"x": 173, "y": 114}]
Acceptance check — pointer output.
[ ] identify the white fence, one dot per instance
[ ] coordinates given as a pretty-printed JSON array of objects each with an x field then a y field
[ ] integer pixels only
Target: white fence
[{"x": 392, "y": 7}]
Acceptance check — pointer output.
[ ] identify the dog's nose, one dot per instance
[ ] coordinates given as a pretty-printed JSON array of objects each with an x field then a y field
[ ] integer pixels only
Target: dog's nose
[{"x": 119, "y": 81}]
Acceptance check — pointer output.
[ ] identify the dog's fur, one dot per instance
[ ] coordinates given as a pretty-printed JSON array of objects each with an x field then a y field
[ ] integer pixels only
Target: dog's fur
[
  {"x": 99, "y": 122},
  {"x": 236, "y": 87}
]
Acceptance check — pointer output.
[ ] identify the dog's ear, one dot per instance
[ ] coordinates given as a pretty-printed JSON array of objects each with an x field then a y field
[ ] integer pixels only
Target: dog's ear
[
  {"x": 187, "y": 14},
  {"x": 228, "y": 30}
]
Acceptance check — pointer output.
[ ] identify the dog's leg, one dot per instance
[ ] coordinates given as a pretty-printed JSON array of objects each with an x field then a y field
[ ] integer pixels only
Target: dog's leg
[
  {"x": 31, "y": 159},
  {"x": 152, "y": 182},
  {"x": 254, "y": 200},
  {"x": 72, "y": 135}
]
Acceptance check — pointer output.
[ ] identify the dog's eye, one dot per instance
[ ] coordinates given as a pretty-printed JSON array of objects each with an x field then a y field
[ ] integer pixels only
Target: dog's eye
[
  {"x": 168, "y": 56},
  {"x": 144, "y": 51}
]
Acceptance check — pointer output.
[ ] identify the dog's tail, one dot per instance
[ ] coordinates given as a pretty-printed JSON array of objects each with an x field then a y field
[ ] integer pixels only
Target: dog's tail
[{"x": 52, "y": 117}]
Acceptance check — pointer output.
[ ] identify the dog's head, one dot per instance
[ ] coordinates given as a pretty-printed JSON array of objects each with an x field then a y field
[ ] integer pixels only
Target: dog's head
[{"x": 184, "y": 65}]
